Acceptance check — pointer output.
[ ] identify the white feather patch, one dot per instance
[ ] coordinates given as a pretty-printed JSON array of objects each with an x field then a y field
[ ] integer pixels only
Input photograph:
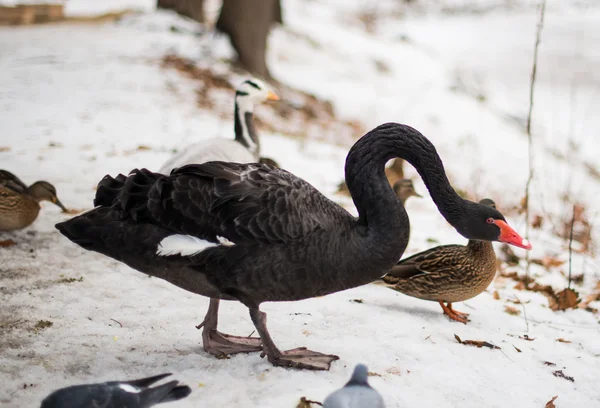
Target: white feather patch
[
  {"x": 224, "y": 241},
  {"x": 129, "y": 388},
  {"x": 184, "y": 245}
]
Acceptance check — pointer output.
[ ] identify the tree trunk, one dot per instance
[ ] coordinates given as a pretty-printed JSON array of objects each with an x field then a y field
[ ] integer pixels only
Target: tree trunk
[
  {"x": 247, "y": 23},
  {"x": 193, "y": 9}
]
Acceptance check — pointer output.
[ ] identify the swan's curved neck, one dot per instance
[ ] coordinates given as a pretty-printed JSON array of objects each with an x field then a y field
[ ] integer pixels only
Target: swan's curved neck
[
  {"x": 374, "y": 198},
  {"x": 245, "y": 132}
]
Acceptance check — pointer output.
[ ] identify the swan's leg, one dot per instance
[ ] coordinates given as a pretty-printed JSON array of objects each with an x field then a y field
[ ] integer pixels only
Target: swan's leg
[
  {"x": 220, "y": 344},
  {"x": 453, "y": 314},
  {"x": 298, "y": 358}
]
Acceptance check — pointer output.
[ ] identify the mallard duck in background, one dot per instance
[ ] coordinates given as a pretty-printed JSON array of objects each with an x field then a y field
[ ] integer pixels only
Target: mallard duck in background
[
  {"x": 254, "y": 233},
  {"x": 19, "y": 204},
  {"x": 404, "y": 189},
  {"x": 269, "y": 161},
  {"x": 447, "y": 273},
  {"x": 394, "y": 173},
  {"x": 245, "y": 147}
]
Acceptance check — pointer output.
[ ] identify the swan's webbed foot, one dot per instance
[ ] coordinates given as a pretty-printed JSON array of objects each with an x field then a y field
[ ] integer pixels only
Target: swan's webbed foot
[
  {"x": 296, "y": 358},
  {"x": 221, "y": 344},
  {"x": 302, "y": 358}
]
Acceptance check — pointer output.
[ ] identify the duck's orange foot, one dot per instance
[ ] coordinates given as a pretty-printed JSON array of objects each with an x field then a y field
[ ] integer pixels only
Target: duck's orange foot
[
  {"x": 7, "y": 243},
  {"x": 303, "y": 358},
  {"x": 454, "y": 314}
]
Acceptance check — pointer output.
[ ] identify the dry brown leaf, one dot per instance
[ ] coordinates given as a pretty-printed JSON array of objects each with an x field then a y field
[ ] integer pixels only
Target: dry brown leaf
[
  {"x": 560, "y": 339},
  {"x": 526, "y": 337},
  {"x": 373, "y": 374},
  {"x": 550, "y": 404},
  {"x": 304, "y": 403},
  {"x": 516, "y": 348},
  {"x": 549, "y": 363},
  {"x": 537, "y": 222},
  {"x": 548, "y": 262},
  {"x": 476, "y": 343},
  {"x": 496, "y": 295},
  {"x": 4, "y": 149},
  {"x": 511, "y": 310},
  {"x": 7, "y": 243},
  {"x": 143, "y": 147},
  {"x": 394, "y": 371},
  {"x": 563, "y": 300}
]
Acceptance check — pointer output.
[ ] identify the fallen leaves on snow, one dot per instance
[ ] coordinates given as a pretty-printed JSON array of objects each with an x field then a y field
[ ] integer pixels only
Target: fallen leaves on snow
[
  {"x": 476, "y": 343},
  {"x": 550, "y": 404}
]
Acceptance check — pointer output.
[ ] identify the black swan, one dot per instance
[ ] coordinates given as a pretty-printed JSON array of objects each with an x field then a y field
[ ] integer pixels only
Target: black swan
[
  {"x": 118, "y": 394},
  {"x": 245, "y": 148},
  {"x": 255, "y": 233}
]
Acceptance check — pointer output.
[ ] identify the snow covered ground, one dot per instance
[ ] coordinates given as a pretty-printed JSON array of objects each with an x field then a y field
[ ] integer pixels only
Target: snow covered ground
[{"x": 77, "y": 102}]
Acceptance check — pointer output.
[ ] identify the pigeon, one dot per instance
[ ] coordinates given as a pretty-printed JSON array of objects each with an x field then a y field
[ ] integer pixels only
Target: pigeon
[
  {"x": 117, "y": 394},
  {"x": 357, "y": 393}
]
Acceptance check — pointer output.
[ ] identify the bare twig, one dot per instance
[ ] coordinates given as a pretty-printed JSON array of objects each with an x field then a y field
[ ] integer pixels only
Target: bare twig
[
  {"x": 571, "y": 246},
  {"x": 524, "y": 313},
  {"x": 529, "y": 138},
  {"x": 117, "y": 322}
]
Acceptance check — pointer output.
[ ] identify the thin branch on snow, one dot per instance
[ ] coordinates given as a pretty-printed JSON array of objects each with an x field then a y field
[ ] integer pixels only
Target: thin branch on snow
[
  {"x": 571, "y": 246},
  {"x": 529, "y": 138}
]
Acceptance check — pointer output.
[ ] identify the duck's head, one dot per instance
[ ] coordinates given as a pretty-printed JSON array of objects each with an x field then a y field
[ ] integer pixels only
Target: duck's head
[
  {"x": 486, "y": 223},
  {"x": 44, "y": 191},
  {"x": 269, "y": 161},
  {"x": 252, "y": 92},
  {"x": 404, "y": 188}
]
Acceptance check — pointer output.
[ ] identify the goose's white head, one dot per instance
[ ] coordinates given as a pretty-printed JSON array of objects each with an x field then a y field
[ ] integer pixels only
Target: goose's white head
[{"x": 252, "y": 92}]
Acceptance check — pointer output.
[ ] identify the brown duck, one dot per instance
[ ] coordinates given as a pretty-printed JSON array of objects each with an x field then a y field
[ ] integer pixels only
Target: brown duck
[
  {"x": 404, "y": 188},
  {"x": 446, "y": 274},
  {"x": 19, "y": 204}
]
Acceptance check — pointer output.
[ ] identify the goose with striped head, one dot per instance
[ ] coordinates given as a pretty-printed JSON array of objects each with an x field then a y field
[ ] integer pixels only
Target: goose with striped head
[
  {"x": 254, "y": 233},
  {"x": 245, "y": 147}
]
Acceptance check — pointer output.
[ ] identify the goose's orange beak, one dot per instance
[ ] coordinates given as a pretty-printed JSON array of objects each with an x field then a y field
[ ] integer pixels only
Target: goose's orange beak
[
  {"x": 272, "y": 96},
  {"x": 510, "y": 236}
]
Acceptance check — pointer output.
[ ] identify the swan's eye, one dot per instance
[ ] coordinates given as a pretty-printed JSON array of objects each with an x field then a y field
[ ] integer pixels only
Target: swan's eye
[{"x": 490, "y": 220}]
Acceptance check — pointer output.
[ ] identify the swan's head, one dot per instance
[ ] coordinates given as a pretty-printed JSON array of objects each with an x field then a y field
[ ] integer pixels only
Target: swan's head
[
  {"x": 252, "y": 92},
  {"x": 484, "y": 222}
]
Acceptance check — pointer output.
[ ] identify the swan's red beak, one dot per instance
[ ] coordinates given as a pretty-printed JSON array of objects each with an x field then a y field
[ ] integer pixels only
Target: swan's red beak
[{"x": 510, "y": 236}]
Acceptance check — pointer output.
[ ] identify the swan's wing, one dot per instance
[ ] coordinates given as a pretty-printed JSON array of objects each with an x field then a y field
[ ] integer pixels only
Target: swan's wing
[
  {"x": 436, "y": 259},
  {"x": 215, "y": 200},
  {"x": 12, "y": 182}
]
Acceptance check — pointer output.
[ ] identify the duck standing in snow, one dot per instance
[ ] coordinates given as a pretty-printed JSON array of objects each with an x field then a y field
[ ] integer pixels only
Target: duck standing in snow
[
  {"x": 404, "y": 189},
  {"x": 117, "y": 394},
  {"x": 245, "y": 148},
  {"x": 254, "y": 233},
  {"x": 19, "y": 204},
  {"x": 357, "y": 393},
  {"x": 447, "y": 273}
]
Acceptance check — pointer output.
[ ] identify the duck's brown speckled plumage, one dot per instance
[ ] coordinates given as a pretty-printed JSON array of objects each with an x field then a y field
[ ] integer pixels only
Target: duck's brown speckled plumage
[
  {"x": 447, "y": 273},
  {"x": 19, "y": 204}
]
